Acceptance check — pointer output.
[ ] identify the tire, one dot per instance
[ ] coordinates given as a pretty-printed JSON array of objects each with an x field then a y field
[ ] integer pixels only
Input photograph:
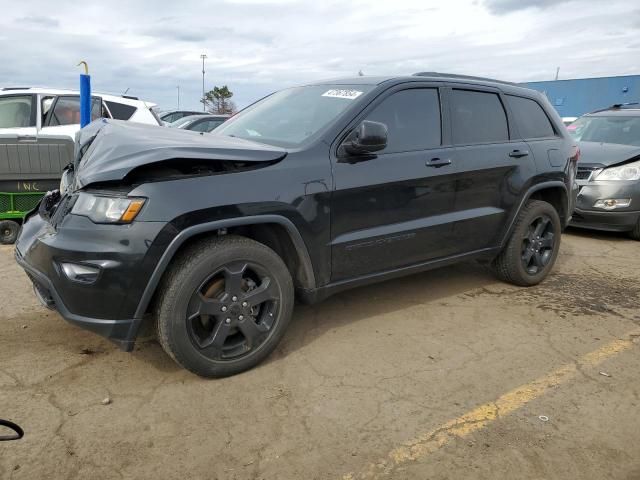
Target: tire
[
  {"x": 208, "y": 316},
  {"x": 8, "y": 231},
  {"x": 635, "y": 233},
  {"x": 528, "y": 258}
]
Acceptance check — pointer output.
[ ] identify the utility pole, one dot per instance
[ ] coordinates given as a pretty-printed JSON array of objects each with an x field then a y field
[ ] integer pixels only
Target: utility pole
[
  {"x": 557, "y": 73},
  {"x": 178, "y": 87},
  {"x": 204, "y": 105}
]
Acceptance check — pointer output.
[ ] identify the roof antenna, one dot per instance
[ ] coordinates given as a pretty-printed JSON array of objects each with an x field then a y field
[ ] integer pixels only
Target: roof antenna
[{"x": 125, "y": 92}]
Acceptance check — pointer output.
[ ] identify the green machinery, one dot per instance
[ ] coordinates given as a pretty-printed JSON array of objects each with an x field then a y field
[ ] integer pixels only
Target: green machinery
[{"x": 13, "y": 207}]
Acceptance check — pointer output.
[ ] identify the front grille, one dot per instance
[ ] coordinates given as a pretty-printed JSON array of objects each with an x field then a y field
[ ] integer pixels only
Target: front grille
[
  {"x": 585, "y": 173},
  {"x": 63, "y": 207}
]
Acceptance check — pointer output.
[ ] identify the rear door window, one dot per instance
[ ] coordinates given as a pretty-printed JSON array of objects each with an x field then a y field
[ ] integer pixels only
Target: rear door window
[
  {"x": 531, "y": 119},
  {"x": 66, "y": 111},
  {"x": 120, "y": 111},
  {"x": 412, "y": 118},
  {"x": 478, "y": 117},
  {"x": 16, "y": 111}
]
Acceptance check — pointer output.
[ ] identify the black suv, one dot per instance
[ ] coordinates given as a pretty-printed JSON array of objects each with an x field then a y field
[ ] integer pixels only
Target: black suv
[{"x": 309, "y": 191}]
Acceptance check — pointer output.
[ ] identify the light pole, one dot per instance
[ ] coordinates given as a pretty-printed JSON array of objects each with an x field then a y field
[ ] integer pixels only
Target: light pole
[
  {"x": 178, "y": 87},
  {"x": 204, "y": 105}
]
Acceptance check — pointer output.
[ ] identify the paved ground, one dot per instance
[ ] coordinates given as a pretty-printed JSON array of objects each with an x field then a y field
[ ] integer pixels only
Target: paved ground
[{"x": 442, "y": 375}]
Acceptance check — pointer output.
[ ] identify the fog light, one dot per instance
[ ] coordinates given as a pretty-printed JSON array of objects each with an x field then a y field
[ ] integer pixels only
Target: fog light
[
  {"x": 613, "y": 203},
  {"x": 80, "y": 273}
]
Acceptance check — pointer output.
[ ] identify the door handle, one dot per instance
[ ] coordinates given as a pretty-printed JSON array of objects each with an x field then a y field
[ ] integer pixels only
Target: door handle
[
  {"x": 438, "y": 162},
  {"x": 518, "y": 153},
  {"x": 26, "y": 138}
]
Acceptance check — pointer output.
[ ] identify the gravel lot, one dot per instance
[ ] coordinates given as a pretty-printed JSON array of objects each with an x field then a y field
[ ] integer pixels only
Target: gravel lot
[{"x": 443, "y": 375}]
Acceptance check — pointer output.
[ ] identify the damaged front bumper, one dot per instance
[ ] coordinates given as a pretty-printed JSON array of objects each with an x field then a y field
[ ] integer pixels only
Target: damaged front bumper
[
  {"x": 108, "y": 304},
  {"x": 586, "y": 215}
]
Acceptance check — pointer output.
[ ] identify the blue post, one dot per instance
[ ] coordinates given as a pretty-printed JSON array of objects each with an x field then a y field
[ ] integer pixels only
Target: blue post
[{"x": 85, "y": 97}]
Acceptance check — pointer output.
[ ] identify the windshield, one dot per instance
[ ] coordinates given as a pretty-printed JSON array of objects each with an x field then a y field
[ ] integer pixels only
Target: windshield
[
  {"x": 181, "y": 123},
  {"x": 290, "y": 117},
  {"x": 619, "y": 129},
  {"x": 15, "y": 112}
]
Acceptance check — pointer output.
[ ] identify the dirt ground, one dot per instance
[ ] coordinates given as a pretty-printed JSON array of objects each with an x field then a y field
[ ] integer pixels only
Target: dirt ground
[{"x": 448, "y": 374}]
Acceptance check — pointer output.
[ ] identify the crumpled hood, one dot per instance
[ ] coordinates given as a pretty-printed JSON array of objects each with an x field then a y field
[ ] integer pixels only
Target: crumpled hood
[
  {"x": 117, "y": 147},
  {"x": 606, "y": 154}
]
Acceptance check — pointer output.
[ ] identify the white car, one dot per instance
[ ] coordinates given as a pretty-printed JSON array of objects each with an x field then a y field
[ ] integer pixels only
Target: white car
[{"x": 38, "y": 127}]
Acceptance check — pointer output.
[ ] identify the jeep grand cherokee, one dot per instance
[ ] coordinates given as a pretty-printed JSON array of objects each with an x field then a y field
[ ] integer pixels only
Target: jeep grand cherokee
[{"x": 307, "y": 192}]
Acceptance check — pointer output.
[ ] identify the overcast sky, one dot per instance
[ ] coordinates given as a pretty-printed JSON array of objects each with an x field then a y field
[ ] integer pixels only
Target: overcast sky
[{"x": 257, "y": 46}]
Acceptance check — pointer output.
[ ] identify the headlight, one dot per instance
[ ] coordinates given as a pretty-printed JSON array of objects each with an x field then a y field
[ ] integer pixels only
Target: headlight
[
  {"x": 102, "y": 209},
  {"x": 629, "y": 171}
]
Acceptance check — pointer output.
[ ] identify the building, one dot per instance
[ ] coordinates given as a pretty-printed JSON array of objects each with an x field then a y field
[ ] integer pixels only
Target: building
[{"x": 575, "y": 97}]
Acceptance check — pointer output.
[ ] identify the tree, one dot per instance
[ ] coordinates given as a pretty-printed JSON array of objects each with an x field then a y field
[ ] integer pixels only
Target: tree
[{"x": 219, "y": 101}]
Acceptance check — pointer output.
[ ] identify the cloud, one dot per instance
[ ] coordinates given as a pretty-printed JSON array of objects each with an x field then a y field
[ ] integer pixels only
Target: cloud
[
  {"x": 38, "y": 20},
  {"x": 257, "y": 46}
]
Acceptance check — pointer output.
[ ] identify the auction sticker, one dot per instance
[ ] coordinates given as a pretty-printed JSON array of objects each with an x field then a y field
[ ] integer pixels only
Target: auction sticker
[{"x": 342, "y": 93}]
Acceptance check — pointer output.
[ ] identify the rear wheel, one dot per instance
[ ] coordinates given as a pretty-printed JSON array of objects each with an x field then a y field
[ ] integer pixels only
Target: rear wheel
[
  {"x": 533, "y": 246},
  {"x": 224, "y": 306},
  {"x": 8, "y": 231}
]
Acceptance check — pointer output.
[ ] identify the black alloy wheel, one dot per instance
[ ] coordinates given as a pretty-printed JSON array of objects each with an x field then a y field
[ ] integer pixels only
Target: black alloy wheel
[
  {"x": 233, "y": 311},
  {"x": 532, "y": 248},
  {"x": 538, "y": 244},
  {"x": 224, "y": 305}
]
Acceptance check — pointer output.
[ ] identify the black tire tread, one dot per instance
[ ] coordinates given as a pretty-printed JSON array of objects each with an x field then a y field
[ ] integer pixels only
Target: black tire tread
[
  {"x": 505, "y": 265},
  {"x": 178, "y": 272},
  {"x": 13, "y": 227}
]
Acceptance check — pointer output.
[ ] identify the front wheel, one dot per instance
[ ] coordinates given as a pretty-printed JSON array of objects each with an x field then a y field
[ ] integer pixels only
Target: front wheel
[
  {"x": 224, "y": 306},
  {"x": 533, "y": 246}
]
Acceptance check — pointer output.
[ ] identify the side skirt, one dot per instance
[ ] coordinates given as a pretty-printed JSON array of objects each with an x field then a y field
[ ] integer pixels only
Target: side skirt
[{"x": 316, "y": 295}]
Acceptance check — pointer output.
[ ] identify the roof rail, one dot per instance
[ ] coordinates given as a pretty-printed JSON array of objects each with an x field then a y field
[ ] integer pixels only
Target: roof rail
[
  {"x": 617, "y": 106},
  {"x": 625, "y": 104},
  {"x": 462, "y": 77},
  {"x": 15, "y": 88},
  {"x": 130, "y": 97}
]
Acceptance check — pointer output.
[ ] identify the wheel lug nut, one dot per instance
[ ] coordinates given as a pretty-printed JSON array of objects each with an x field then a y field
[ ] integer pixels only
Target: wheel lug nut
[
  {"x": 245, "y": 304},
  {"x": 240, "y": 317},
  {"x": 224, "y": 308},
  {"x": 234, "y": 298},
  {"x": 227, "y": 320}
]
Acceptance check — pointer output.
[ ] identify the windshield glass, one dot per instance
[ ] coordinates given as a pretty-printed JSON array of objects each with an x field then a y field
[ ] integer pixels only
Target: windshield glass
[
  {"x": 15, "y": 111},
  {"x": 290, "y": 117},
  {"x": 181, "y": 123},
  {"x": 616, "y": 129}
]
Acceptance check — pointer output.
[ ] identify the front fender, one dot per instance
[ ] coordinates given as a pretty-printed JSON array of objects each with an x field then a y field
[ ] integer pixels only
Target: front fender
[{"x": 214, "y": 226}]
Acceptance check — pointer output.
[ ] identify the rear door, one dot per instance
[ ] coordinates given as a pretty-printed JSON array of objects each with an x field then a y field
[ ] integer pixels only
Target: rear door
[
  {"x": 393, "y": 209},
  {"x": 535, "y": 128},
  {"x": 492, "y": 164}
]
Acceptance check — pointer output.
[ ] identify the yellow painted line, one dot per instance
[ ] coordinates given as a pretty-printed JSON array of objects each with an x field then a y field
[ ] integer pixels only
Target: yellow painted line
[{"x": 478, "y": 418}]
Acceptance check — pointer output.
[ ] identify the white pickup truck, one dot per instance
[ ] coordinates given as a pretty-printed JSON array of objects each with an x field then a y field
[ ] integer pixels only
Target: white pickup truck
[{"x": 37, "y": 133}]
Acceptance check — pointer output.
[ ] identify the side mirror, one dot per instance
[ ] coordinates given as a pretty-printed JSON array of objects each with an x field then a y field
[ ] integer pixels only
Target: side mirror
[{"x": 369, "y": 137}]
